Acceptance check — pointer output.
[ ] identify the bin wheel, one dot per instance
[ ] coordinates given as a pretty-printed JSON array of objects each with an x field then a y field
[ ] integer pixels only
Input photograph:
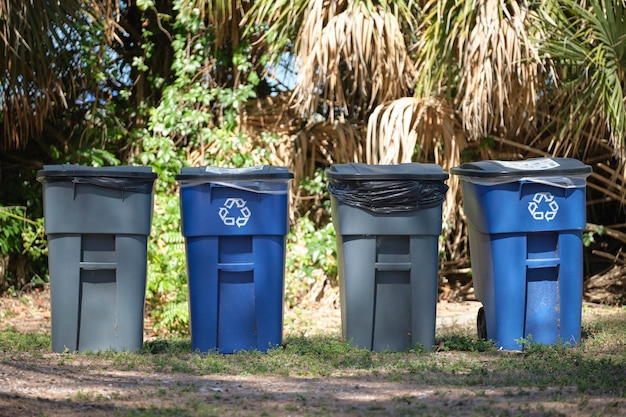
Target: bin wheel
[{"x": 481, "y": 324}]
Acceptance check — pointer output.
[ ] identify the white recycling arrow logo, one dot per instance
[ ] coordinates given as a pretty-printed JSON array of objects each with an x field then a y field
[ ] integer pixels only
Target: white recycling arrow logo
[
  {"x": 234, "y": 212},
  {"x": 543, "y": 206}
]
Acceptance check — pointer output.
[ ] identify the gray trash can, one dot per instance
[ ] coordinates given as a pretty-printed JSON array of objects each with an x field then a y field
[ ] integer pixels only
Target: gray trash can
[
  {"x": 97, "y": 221},
  {"x": 388, "y": 220}
]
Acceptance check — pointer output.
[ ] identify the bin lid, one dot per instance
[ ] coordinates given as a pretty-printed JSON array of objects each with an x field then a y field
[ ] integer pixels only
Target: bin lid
[
  {"x": 219, "y": 174},
  {"x": 367, "y": 172},
  {"x": 73, "y": 171},
  {"x": 533, "y": 167}
]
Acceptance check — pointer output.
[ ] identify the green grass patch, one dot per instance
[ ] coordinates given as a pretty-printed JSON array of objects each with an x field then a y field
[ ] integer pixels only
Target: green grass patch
[
  {"x": 12, "y": 341},
  {"x": 461, "y": 363}
]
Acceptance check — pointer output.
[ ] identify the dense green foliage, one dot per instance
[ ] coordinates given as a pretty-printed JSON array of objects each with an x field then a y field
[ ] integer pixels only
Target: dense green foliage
[{"x": 157, "y": 100}]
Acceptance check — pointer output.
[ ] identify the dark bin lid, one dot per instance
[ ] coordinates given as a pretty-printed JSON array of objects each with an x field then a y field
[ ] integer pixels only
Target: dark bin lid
[
  {"x": 367, "y": 172},
  {"x": 216, "y": 174},
  {"x": 73, "y": 171},
  {"x": 533, "y": 167}
]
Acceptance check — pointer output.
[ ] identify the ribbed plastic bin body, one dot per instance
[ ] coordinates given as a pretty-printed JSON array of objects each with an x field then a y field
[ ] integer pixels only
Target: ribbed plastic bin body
[
  {"x": 97, "y": 221},
  {"x": 235, "y": 223},
  {"x": 388, "y": 263},
  {"x": 525, "y": 223}
]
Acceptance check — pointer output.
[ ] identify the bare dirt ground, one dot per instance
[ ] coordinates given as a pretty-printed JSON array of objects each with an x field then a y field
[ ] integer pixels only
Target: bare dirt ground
[
  {"x": 30, "y": 313},
  {"x": 48, "y": 384}
]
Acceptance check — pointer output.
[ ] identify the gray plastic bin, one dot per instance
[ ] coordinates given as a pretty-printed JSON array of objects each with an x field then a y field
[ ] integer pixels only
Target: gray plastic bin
[
  {"x": 97, "y": 221},
  {"x": 387, "y": 244}
]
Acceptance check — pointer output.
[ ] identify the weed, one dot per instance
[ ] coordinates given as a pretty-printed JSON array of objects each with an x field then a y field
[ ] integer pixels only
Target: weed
[
  {"x": 82, "y": 396},
  {"x": 460, "y": 342},
  {"x": 12, "y": 341}
]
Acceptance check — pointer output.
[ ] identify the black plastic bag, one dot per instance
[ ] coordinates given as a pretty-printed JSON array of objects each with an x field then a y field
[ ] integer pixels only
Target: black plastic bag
[
  {"x": 136, "y": 179},
  {"x": 133, "y": 185},
  {"x": 389, "y": 196}
]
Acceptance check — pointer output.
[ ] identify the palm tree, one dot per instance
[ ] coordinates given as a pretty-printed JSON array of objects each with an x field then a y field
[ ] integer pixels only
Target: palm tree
[
  {"x": 349, "y": 57},
  {"x": 458, "y": 80}
]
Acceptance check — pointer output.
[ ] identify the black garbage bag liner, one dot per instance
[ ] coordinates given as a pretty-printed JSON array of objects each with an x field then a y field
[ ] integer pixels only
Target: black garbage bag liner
[
  {"x": 389, "y": 196},
  {"x": 135, "y": 179},
  {"x": 133, "y": 185}
]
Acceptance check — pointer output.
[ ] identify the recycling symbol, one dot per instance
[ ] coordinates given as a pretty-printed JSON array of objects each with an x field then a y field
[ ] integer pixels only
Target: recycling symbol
[
  {"x": 543, "y": 206},
  {"x": 234, "y": 212}
]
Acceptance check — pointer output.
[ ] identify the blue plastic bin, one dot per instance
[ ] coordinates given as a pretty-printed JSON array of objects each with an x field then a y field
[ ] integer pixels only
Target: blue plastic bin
[
  {"x": 525, "y": 222},
  {"x": 235, "y": 223}
]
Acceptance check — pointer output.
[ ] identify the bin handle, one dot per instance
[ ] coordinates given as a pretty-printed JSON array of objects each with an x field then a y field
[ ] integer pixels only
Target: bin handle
[
  {"x": 387, "y": 266},
  {"x": 550, "y": 185},
  {"x": 124, "y": 184},
  {"x": 236, "y": 267},
  {"x": 575, "y": 181}
]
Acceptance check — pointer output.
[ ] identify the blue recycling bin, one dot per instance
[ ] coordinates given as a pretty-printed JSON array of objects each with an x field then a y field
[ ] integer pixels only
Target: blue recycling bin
[
  {"x": 235, "y": 223},
  {"x": 525, "y": 221}
]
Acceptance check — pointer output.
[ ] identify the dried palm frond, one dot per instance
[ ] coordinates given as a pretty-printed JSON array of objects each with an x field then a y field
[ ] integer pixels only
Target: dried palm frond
[
  {"x": 270, "y": 114},
  {"x": 501, "y": 70},
  {"x": 400, "y": 129},
  {"x": 410, "y": 128},
  {"x": 323, "y": 144},
  {"x": 320, "y": 145},
  {"x": 354, "y": 61},
  {"x": 326, "y": 143},
  {"x": 391, "y": 132},
  {"x": 316, "y": 17}
]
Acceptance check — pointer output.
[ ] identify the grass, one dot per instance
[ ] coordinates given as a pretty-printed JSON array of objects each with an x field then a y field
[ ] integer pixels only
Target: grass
[{"x": 462, "y": 376}]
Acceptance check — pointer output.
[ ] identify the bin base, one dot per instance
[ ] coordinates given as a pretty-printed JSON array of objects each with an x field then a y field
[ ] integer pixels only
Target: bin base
[
  {"x": 97, "y": 291},
  {"x": 235, "y": 292},
  {"x": 388, "y": 291},
  {"x": 530, "y": 285}
]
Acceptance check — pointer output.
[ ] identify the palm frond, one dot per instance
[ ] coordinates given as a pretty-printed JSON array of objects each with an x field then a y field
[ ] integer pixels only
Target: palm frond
[
  {"x": 323, "y": 144},
  {"x": 37, "y": 48},
  {"x": 354, "y": 61},
  {"x": 419, "y": 129},
  {"x": 501, "y": 71},
  {"x": 592, "y": 73},
  {"x": 441, "y": 26},
  {"x": 391, "y": 132}
]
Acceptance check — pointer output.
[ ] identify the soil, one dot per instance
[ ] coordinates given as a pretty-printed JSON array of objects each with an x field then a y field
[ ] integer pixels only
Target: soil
[
  {"x": 49, "y": 384},
  {"x": 30, "y": 313}
]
